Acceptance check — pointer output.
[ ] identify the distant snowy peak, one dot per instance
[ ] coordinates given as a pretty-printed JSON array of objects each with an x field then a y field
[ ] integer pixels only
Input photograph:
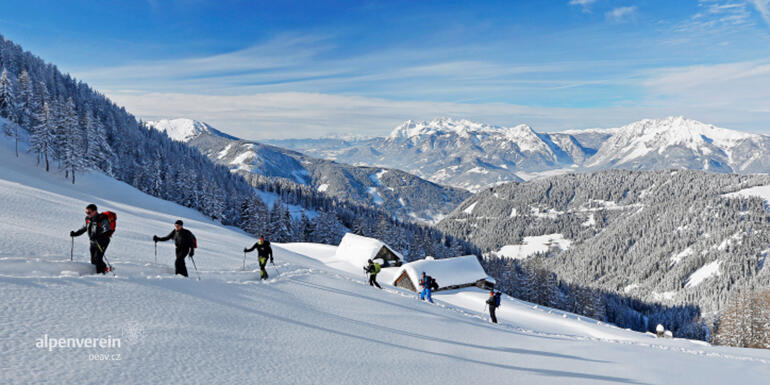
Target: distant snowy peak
[
  {"x": 184, "y": 130},
  {"x": 680, "y": 130},
  {"x": 678, "y": 142},
  {"x": 462, "y": 127},
  {"x": 521, "y": 137}
]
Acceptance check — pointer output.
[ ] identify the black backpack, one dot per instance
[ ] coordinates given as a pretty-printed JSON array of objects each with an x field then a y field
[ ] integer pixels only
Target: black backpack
[
  {"x": 433, "y": 284},
  {"x": 498, "y": 299}
]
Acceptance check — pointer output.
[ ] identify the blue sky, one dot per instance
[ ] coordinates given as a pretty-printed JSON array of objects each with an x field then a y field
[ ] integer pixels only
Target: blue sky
[{"x": 304, "y": 69}]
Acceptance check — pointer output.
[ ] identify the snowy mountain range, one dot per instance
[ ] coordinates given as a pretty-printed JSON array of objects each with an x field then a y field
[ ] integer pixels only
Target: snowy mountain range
[
  {"x": 398, "y": 192},
  {"x": 473, "y": 155}
]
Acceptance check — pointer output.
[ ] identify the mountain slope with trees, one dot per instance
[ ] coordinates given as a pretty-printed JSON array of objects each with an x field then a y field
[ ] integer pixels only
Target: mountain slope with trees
[
  {"x": 671, "y": 237},
  {"x": 403, "y": 195},
  {"x": 72, "y": 129}
]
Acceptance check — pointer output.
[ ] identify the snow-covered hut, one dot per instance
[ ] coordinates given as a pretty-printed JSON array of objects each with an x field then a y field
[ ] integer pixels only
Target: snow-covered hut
[
  {"x": 357, "y": 250},
  {"x": 449, "y": 273}
]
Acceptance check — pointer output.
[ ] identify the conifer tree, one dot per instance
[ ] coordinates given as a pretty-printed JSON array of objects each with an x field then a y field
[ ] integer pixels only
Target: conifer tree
[{"x": 43, "y": 138}]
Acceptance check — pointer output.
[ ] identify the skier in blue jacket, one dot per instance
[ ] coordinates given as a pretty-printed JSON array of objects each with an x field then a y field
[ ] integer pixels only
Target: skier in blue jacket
[{"x": 426, "y": 282}]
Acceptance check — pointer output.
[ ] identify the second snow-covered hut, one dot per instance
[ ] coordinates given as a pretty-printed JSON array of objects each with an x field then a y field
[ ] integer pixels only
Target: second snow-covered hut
[
  {"x": 449, "y": 273},
  {"x": 357, "y": 250}
]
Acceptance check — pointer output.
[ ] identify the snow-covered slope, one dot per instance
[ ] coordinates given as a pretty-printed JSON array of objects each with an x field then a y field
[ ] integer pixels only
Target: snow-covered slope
[
  {"x": 310, "y": 323},
  {"x": 402, "y": 194}
]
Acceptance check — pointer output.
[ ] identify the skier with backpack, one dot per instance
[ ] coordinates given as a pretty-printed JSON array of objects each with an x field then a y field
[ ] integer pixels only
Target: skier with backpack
[
  {"x": 264, "y": 252},
  {"x": 185, "y": 243},
  {"x": 428, "y": 283},
  {"x": 373, "y": 269},
  {"x": 100, "y": 227},
  {"x": 494, "y": 301}
]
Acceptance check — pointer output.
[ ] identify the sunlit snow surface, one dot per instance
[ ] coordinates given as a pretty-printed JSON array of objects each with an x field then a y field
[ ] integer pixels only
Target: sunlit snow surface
[{"x": 315, "y": 321}]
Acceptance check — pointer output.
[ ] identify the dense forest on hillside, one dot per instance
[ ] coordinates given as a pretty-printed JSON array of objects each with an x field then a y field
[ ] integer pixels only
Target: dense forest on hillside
[{"x": 673, "y": 237}]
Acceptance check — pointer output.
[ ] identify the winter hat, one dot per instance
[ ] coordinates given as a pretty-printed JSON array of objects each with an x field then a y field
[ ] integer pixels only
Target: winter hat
[{"x": 179, "y": 222}]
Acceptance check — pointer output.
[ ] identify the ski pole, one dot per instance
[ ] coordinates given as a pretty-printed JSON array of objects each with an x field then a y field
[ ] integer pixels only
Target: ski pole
[
  {"x": 104, "y": 256},
  {"x": 112, "y": 270},
  {"x": 196, "y": 267},
  {"x": 485, "y": 307},
  {"x": 156, "y": 252},
  {"x": 72, "y": 248},
  {"x": 276, "y": 268}
]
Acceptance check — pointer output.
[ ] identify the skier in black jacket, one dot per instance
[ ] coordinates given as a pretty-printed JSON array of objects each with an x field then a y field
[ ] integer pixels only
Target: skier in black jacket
[
  {"x": 185, "y": 243},
  {"x": 493, "y": 301},
  {"x": 99, "y": 232},
  {"x": 373, "y": 269},
  {"x": 264, "y": 251}
]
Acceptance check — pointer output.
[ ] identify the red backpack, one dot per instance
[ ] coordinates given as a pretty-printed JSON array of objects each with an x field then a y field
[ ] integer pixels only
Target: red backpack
[{"x": 112, "y": 217}]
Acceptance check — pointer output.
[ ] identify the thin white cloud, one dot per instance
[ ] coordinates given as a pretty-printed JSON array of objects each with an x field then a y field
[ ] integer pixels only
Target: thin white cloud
[
  {"x": 302, "y": 64},
  {"x": 763, "y": 7},
  {"x": 585, "y": 4},
  {"x": 692, "y": 77},
  {"x": 620, "y": 14},
  {"x": 719, "y": 12},
  {"x": 288, "y": 51},
  {"x": 717, "y": 23},
  {"x": 732, "y": 94}
]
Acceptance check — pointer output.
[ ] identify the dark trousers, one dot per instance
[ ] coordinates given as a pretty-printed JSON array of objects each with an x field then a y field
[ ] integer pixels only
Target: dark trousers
[
  {"x": 97, "y": 255},
  {"x": 373, "y": 280},
  {"x": 492, "y": 313},
  {"x": 179, "y": 265}
]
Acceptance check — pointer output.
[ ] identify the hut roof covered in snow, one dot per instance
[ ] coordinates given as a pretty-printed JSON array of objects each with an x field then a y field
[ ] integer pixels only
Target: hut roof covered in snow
[
  {"x": 449, "y": 273},
  {"x": 357, "y": 250}
]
